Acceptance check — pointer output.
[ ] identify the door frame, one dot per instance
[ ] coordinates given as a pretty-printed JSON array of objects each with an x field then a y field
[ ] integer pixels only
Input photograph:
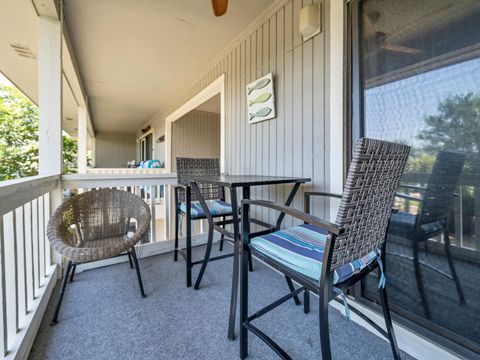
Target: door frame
[
  {"x": 216, "y": 87},
  {"x": 355, "y": 120}
]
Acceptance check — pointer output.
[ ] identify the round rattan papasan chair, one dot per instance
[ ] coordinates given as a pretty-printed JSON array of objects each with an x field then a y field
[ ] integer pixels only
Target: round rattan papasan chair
[{"x": 95, "y": 226}]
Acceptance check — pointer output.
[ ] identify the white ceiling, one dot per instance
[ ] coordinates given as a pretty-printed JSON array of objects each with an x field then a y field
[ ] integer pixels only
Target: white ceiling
[
  {"x": 19, "y": 23},
  {"x": 18, "y": 26},
  {"x": 137, "y": 57}
]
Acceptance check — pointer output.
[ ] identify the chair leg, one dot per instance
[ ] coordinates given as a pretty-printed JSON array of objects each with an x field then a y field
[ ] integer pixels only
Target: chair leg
[
  {"x": 292, "y": 288},
  {"x": 234, "y": 290},
  {"x": 129, "y": 260},
  {"x": 207, "y": 257},
  {"x": 222, "y": 237},
  {"x": 243, "y": 305},
  {"x": 306, "y": 302},
  {"x": 388, "y": 323},
  {"x": 189, "y": 251},
  {"x": 175, "y": 251},
  {"x": 324, "y": 329},
  {"x": 453, "y": 271},
  {"x": 250, "y": 262},
  {"x": 74, "y": 267},
  {"x": 419, "y": 279},
  {"x": 137, "y": 268},
  {"x": 62, "y": 292}
]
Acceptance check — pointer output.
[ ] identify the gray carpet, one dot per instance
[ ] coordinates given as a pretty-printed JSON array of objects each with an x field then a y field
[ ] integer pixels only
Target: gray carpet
[{"x": 104, "y": 317}]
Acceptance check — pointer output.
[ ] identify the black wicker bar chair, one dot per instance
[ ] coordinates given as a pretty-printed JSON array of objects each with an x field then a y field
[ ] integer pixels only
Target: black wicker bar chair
[
  {"x": 188, "y": 205},
  {"x": 94, "y": 226},
  {"x": 434, "y": 206},
  {"x": 329, "y": 258}
]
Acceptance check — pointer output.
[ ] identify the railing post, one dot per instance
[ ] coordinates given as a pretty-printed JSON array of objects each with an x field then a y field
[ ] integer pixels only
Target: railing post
[
  {"x": 3, "y": 298},
  {"x": 50, "y": 104},
  {"x": 153, "y": 213}
]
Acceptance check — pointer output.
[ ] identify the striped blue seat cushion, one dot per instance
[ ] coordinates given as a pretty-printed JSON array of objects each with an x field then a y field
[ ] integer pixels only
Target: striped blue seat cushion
[
  {"x": 216, "y": 207},
  {"x": 301, "y": 249}
]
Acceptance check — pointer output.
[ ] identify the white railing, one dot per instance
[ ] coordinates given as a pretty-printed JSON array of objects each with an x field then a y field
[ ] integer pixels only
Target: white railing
[
  {"x": 126, "y": 171},
  {"x": 28, "y": 266},
  {"x": 154, "y": 188},
  {"x": 27, "y": 272}
]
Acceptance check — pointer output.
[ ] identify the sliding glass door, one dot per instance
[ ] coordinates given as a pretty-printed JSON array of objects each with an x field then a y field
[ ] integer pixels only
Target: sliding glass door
[{"x": 416, "y": 80}]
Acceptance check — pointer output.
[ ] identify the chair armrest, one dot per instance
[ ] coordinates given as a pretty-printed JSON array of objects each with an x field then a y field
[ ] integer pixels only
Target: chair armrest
[
  {"x": 408, "y": 197},
  {"x": 143, "y": 226},
  {"x": 414, "y": 187},
  {"x": 320, "y": 193},
  {"x": 308, "y": 194},
  {"x": 332, "y": 228},
  {"x": 176, "y": 190},
  {"x": 180, "y": 186}
]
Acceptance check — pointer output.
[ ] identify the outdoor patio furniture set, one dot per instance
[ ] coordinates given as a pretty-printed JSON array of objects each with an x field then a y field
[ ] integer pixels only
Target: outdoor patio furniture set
[{"x": 321, "y": 257}]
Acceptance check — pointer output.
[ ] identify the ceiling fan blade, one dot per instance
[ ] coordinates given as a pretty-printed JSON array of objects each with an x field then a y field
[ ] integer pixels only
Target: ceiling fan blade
[
  {"x": 219, "y": 7},
  {"x": 400, "y": 48}
]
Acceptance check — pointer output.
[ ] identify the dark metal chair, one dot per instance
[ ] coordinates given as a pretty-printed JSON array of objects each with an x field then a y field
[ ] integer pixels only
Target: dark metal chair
[
  {"x": 187, "y": 204},
  {"x": 329, "y": 258},
  {"x": 432, "y": 217},
  {"x": 95, "y": 226}
]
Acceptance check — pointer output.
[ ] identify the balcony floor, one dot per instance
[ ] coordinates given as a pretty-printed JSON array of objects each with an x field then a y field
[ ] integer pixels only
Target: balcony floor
[{"x": 104, "y": 317}]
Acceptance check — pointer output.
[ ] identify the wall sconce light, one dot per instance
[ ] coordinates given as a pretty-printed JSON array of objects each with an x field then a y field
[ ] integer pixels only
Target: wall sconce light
[{"x": 310, "y": 23}]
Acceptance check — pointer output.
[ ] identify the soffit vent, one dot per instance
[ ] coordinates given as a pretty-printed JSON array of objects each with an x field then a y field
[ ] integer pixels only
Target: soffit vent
[{"x": 23, "y": 50}]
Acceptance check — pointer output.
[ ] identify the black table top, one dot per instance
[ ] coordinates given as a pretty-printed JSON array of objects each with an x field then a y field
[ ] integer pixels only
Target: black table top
[{"x": 246, "y": 180}]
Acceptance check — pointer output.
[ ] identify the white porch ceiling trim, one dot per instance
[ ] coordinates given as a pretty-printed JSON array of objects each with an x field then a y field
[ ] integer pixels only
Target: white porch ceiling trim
[{"x": 216, "y": 87}]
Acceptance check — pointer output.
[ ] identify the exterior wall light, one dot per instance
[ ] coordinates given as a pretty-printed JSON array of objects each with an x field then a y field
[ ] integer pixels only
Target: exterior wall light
[{"x": 310, "y": 23}]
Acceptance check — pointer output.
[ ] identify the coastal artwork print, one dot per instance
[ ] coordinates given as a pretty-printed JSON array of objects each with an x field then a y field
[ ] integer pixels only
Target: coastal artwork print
[{"x": 260, "y": 99}]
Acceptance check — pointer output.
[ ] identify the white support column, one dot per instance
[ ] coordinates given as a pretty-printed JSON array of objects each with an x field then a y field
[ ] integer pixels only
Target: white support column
[
  {"x": 50, "y": 106},
  {"x": 82, "y": 140},
  {"x": 50, "y": 96},
  {"x": 335, "y": 32},
  {"x": 94, "y": 144}
]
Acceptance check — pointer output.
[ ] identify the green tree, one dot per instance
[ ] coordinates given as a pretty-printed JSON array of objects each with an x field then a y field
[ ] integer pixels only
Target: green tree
[
  {"x": 19, "y": 137},
  {"x": 70, "y": 147},
  {"x": 456, "y": 127}
]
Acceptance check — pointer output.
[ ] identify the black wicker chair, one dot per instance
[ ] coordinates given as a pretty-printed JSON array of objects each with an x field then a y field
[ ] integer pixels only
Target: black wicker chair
[
  {"x": 330, "y": 258},
  {"x": 187, "y": 204},
  {"x": 432, "y": 218}
]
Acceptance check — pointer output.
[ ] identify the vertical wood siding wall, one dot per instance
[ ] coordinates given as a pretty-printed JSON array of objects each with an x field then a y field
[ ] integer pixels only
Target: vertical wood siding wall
[
  {"x": 197, "y": 134},
  {"x": 113, "y": 150},
  {"x": 293, "y": 144}
]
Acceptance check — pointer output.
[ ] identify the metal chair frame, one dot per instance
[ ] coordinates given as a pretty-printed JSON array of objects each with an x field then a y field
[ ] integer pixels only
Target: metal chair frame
[
  {"x": 358, "y": 216},
  {"x": 183, "y": 191}
]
